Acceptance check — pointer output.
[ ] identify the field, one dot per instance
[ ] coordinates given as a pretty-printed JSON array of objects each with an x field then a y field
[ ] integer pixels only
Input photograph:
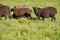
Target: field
[{"x": 26, "y": 29}]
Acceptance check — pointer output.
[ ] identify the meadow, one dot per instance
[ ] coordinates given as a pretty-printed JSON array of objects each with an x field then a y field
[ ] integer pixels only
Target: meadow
[{"x": 26, "y": 29}]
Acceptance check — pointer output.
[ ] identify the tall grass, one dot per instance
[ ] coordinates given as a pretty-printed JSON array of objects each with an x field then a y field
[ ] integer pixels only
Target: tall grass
[{"x": 25, "y": 29}]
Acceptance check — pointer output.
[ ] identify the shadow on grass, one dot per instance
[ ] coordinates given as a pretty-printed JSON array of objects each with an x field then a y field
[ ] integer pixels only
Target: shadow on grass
[{"x": 34, "y": 19}]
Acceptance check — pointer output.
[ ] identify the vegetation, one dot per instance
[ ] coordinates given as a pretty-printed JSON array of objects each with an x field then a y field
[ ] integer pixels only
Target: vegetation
[{"x": 26, "y": 29}]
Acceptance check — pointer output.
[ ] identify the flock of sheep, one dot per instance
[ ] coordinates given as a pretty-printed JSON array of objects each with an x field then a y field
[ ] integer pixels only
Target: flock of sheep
[{"x": 25, "y": 11}]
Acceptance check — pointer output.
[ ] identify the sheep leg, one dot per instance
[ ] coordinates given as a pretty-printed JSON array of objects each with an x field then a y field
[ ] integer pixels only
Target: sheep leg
[
  {"x": 6, "y": 17},
  {"x": 53, "y": 18},
  {"x": 42, "y": 18}
]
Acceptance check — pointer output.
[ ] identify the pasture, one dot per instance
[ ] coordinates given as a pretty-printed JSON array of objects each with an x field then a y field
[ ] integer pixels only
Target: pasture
[{"x": 26, "y": 29}]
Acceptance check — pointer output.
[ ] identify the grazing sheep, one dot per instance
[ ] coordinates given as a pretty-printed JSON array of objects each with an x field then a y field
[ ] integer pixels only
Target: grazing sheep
[
  {"x": 21, "y": 11},
  {"x": 4, "y": 11},
  {"x": 45, "y": 12}
]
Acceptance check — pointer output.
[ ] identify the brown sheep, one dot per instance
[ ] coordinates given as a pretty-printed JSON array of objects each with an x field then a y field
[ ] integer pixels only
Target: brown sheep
[
  {"x": 4, "y": 11},
  {"x": 21, "y": 11},
  {"x": 45, "y": 12}
]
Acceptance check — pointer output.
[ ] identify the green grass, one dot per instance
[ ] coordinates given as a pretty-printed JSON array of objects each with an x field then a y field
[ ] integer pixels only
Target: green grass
[{"x": 25, "y": 29}]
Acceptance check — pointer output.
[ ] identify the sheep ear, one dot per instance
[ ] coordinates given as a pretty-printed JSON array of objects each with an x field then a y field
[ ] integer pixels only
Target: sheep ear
[{"x": 12, "y": 9}]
